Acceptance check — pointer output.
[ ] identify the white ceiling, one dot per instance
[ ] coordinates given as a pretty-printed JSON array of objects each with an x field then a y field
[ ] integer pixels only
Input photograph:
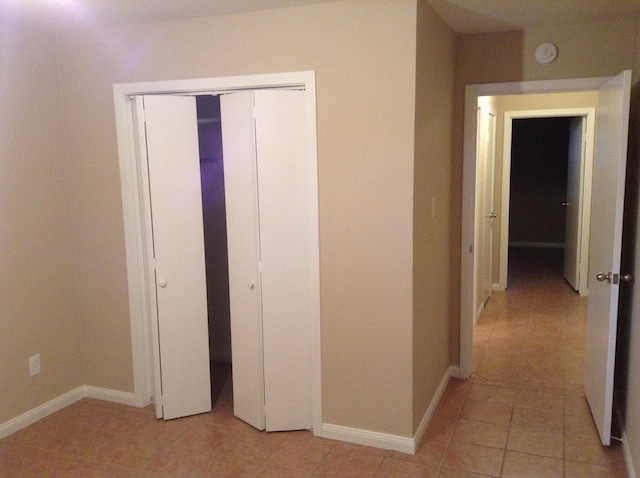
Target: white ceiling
[
  {"x": 60, "y": 12},
  {"x": 475, "y": 16},
  {"x": 464, "y": 16}
]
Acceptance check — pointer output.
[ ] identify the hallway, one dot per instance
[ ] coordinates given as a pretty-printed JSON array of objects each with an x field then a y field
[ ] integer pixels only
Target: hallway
[{"x": 523, "y": 412}]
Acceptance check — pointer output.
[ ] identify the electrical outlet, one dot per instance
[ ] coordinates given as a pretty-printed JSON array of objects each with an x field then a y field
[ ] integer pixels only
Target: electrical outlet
[{"x": 34, "y": 365}]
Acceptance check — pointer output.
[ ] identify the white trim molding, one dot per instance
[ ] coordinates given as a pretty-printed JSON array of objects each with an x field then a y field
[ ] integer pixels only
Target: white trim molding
[
  {"x": 586, "y": 173},
  {"x": 115, "y": 396},
  {"x": 370, "y": 438},
  {"x": 452, "y": 371},
  {"x": 63, "y": 401},
  {"x": 387, "y": 441}
]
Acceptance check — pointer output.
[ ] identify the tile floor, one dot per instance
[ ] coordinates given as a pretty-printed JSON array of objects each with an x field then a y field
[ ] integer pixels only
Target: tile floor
[{"x": 522, "y": 414}]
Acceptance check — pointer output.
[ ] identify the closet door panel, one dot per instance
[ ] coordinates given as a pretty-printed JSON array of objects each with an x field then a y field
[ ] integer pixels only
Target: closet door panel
[
  {"x": 178, "y": 242},
  {"x": 238, "y": 144},
  {"x": 285, "y": 242}
]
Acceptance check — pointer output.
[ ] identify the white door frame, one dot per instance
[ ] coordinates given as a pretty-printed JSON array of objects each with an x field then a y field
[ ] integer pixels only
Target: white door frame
[
  {"x": 585, "y": 184},
  {"x": 135, "y": 228},
  {"x": 467, "y": 245}
]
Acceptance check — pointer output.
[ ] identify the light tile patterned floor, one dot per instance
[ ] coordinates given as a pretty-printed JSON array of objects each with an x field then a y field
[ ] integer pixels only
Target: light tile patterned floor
[{"x": 522, "y": 414}]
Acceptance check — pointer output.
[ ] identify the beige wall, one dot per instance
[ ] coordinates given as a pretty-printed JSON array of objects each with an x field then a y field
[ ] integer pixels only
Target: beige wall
[
  {"x": 37, "y": 296},
  {"x": 364, "y": 57},
  {"x": 595, "y": 49},
  {"x": 431, "y": 245}
]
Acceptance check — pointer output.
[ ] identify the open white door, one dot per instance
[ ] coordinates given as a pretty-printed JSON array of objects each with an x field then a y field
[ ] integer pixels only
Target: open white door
[
  {"x": 178, "y": 247},
  {"x": 488, "y": 125},
  {"x": 573, "y": 204},
  {"x": 269, "y": 233},
  {"x": 612, "y": 123}
]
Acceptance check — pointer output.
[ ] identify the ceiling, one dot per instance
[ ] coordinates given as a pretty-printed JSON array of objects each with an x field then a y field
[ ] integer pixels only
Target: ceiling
[
  {"x": 54, "y": 13},
  {"x": 476, "y": 16},
  {"x": 464, "y": 16}
]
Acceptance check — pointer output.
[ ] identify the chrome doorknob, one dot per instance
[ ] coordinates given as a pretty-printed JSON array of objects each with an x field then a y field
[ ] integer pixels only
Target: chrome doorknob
[
  {"x": 601, "y": 276},
  {"x": 566, "y": 204},
  {"x": 493, "y": 215},
  {"x": 627, "y": 278}
]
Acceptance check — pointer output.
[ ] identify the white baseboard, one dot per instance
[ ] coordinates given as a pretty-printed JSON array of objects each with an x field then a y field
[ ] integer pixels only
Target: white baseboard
[
  {"x": 368, "y": 438},
  {"x": 58, "y": 403},
  {"x": 628, "y": 460},
  {"x": 125, "y": 398},
  {"x": 478, "y": 314},
  {"x": 452, "y": 371},
  {"x": 385, "y": 440}
]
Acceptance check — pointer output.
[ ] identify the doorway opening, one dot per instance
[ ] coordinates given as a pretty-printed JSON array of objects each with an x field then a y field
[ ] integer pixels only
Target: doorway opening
[
  {"x": 473, "y": 94},
  {"x": 553, "y": 184},
  {"x": 538, "y": 202},
  {"x": 606, "y": 227}
]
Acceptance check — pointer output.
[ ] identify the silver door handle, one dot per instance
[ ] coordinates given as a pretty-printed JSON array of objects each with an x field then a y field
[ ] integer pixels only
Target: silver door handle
[
  {"x": 566, "y": 204},
  {"x": 627, "y": 278},
  {"x": 492, "y": 215},
  {"x": 601, "y": 276}
]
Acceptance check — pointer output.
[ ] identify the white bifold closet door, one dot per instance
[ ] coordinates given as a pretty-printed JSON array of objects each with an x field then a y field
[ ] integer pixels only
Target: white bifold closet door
[
  {"x": 182, "y": 376},
  {"x": 269, "y": 234}
]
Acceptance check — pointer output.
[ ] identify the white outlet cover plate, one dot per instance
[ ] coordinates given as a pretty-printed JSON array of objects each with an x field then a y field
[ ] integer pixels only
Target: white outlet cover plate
[{"x": 34, "y": 365}]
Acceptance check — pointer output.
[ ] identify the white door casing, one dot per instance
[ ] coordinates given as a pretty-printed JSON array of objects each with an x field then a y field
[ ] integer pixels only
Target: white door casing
[
  {"x": 573, "y": 201},
  {"x": 178, "y": 243},
  {"x": 585, "y": 188},
  {"x": 605, "y": 249}
]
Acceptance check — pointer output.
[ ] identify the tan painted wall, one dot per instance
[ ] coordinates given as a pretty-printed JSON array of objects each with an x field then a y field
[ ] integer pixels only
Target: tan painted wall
[
  {"x": 595, "y": 49},
  {"x": 37, "y": 313},
  {"x": 431, "y": 244},
  {"x": 364, "y": 56}
]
